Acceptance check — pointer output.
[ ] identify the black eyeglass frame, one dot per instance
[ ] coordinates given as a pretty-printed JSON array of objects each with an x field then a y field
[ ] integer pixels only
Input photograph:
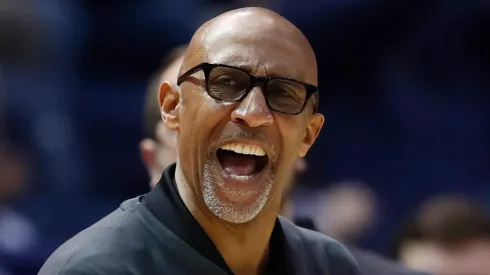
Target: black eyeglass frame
[{"x": 254, "y": 81}]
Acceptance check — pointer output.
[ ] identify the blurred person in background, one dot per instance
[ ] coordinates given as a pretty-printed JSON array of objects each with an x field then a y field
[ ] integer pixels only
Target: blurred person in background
[
  {"x": 18, "y": 235},
  {"x": 341, "y": 211},
  {"x": 20, "y": 37},
  {"x": 449, "y": 235},
  {"x": 223, "y": 220},
  {"x": 346, "y": 210},
  {"x": 158, "y": 150}
]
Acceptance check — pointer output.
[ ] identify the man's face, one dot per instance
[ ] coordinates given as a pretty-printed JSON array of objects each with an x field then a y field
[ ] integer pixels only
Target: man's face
[
  {"x": 238, "y": 156},
  {"x": 160, "y": 152},
  {"x": 424, "y": 256},
  {"x": 472, "y": 258}
]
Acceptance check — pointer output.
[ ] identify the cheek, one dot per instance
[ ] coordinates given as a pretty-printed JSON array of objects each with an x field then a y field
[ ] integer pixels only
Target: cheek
[
  {"x": 292, "y": 133},
  {"x": 189, "y": 138},
  {"x": 291, "y": 139},
  {"x": 200, "y": 115}
]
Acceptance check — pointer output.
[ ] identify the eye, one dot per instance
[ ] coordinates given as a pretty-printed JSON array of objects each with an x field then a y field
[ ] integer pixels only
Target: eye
[
  {"x": 287, "y": 92},
  {"x": 224, "y": 80}
]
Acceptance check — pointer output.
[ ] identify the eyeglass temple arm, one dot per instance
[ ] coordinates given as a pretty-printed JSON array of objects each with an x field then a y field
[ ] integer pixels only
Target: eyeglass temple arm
[{"x": 189, "y": 73}]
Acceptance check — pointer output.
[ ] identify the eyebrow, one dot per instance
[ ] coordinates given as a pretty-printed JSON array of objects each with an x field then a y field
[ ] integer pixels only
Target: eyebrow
[
  {"x": 242, "y": 64},
  {"x": 247, "y": 66}
]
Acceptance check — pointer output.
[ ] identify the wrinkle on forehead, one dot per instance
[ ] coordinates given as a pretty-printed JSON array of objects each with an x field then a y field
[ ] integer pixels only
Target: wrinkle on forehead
[
  {"x": 257, "y": 62},
  {"x": 249, "y": 38}
]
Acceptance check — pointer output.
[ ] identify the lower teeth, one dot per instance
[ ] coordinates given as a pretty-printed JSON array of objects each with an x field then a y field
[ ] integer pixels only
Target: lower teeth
[{"x": 237, "y": 177}]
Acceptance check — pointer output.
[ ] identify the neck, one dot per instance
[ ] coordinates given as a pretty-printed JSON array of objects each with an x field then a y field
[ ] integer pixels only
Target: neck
[{"x": 243, "y": 246}]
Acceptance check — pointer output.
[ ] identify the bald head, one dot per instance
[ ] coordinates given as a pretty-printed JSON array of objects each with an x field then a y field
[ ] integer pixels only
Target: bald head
[{"x": 255, "y": 39}]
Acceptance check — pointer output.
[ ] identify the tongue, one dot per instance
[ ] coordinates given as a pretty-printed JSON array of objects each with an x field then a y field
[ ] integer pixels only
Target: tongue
[{"x": 238, "y": 164}]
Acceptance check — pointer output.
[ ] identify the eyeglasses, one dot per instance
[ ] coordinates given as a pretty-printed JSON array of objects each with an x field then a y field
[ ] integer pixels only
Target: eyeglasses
[{"x": 229, "y": 83}]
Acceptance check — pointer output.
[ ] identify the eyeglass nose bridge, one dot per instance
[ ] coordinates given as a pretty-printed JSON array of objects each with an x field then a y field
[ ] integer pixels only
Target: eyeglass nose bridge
[{"x": 254, "y": 82}]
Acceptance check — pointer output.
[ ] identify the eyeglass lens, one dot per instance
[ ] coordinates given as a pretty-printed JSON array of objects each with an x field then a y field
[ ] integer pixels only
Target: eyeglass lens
[{"x": 230, "y": 84}]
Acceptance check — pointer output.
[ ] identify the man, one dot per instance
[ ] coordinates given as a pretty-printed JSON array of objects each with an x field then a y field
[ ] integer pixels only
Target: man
[
  {"x": 157, "y": 154},
  {"x": 448, "y": 235},
  {"x": 244, "y": 110}
]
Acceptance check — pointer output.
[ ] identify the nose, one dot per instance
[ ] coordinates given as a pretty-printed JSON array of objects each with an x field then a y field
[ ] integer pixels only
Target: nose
[{"x": 253, "y": 110}]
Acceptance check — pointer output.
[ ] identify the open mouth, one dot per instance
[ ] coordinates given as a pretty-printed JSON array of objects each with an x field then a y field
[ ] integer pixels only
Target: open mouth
[{"x": 242, "y": 161}]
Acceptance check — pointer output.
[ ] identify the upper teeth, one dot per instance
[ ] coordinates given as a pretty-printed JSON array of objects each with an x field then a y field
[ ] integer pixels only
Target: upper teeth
[{"x": 244, "y": 149}]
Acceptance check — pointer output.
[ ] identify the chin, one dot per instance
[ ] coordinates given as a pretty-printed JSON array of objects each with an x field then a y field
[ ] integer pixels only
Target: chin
[{"x": 234, "y": 199}]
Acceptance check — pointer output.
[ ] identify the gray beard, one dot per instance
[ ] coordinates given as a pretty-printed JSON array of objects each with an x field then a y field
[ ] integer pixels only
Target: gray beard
[{"x": 229, "y": 211}]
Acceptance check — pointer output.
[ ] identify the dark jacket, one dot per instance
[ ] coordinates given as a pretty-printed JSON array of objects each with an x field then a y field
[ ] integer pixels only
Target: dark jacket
[
  {"x": 131, "y": 241},
  {"x": 134, "y": 240}
]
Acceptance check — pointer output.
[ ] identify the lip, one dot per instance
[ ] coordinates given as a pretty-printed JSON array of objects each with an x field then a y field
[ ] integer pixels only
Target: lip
[{"x": 243, "y": 192}]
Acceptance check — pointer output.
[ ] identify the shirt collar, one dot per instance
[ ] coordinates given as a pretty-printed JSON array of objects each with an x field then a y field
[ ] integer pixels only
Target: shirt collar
[{"x": 167, "y": 206}]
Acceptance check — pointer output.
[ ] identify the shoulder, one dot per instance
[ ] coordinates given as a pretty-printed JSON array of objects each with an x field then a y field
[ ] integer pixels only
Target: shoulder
[
  {"x": 336, "y": 258},
  {"x": 329, "y": 255},
  {"x": 371, "y": 263},
  {"x": 88, "y": 252}
]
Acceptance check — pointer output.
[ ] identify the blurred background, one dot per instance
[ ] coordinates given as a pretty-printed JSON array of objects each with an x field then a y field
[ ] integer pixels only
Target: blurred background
[{"x": 404, "y": 86}]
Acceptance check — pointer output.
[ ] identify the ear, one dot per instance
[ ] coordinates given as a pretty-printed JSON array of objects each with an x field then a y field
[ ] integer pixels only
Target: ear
[
  {"x": 147, "y": 151},
  {"x": 312, "y": 130},
  {"x": 169, "y": 98}
]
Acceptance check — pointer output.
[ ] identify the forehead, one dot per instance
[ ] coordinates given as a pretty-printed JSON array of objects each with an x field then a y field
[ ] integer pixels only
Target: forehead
[{"x": 258, "y": 50}]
